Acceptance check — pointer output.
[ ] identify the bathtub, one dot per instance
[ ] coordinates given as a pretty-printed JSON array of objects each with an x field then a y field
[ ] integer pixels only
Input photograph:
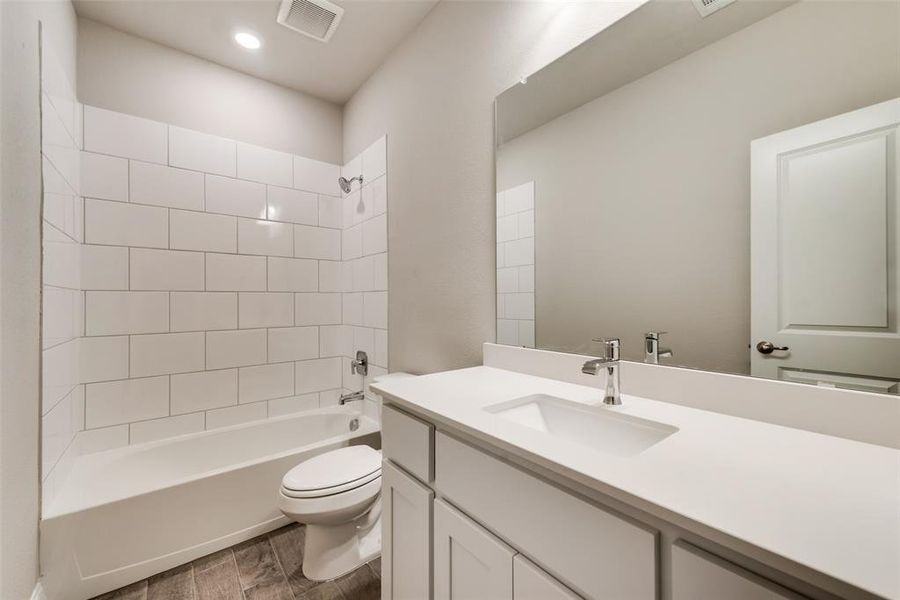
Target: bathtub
[{"x": 128, "y": 513}]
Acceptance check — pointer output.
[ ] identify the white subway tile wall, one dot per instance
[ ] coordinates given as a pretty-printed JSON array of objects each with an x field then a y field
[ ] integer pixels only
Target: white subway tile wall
[
  {"x": 361, "y": 276},
  {"x": 515, "y": 266},
  {"x": 63, "y": 310},
  {"x": 294, "y": 206},
  {"x": 266, "y": 382},
  {"x": 284, "y": 406},
  {"x": 235, "y": 197},
  {"x": 104, "y": 177},
  {"x": 264, "y": 165},
  {"x": 148, "y": 431},
  {"x": 202, "y": 152},
  {"x": 117, "y": 134},
  {"x": 220, "y": 282},
  {"x": 292, "y": 274},
  {"x": 233, "y": 415},
  {"x": 165, "y": 186}
]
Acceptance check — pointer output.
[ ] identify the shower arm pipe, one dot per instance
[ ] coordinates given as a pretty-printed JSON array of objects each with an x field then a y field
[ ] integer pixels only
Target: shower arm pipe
[{"x": 346, "y": 184}]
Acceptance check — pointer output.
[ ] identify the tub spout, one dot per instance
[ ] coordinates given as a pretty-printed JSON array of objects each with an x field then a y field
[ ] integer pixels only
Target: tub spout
[{"x": 352, "y": 397}]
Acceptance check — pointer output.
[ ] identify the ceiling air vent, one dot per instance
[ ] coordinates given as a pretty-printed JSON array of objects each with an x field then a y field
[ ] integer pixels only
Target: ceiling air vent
[
  {"x": 316, "y": 18},
  {"x": 708, "y": 7}
]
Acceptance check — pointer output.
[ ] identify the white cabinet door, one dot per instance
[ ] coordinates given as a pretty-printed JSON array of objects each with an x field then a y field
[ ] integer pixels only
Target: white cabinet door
[
  {"x": 530, "y": 582},
  {"x": 469, "y": 562},
  {"x": 698, "y": 575},
  {"x": 405, "y": 536},
  {"x": 825, "y": 257},
  {"x": 578, "y": 542}
]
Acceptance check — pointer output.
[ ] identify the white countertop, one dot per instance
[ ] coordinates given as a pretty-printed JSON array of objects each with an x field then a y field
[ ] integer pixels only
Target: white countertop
[{"x": 827, "y": 503}]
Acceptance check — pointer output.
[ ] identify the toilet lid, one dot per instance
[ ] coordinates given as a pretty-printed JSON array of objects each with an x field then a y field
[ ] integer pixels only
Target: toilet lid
[{"x": 332, "y": 469}]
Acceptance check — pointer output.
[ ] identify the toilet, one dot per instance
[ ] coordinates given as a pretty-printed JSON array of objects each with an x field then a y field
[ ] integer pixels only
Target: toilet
[{"x": 338, "y": 496}]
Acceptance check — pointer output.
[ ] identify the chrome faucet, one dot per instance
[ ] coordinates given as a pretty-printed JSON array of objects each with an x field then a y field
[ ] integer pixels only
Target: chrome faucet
[
  {"x": 358, "y": 366},
  {"x": 610, "y": 362},
  {"x": 652, "y": 351}
]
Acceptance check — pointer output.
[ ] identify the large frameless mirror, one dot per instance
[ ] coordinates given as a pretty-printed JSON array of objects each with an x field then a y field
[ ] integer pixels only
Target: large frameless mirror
[{"x": 719, "y": 191}]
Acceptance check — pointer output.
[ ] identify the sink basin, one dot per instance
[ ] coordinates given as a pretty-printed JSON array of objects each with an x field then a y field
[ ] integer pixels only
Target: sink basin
[{"x": 596, "y": 427}]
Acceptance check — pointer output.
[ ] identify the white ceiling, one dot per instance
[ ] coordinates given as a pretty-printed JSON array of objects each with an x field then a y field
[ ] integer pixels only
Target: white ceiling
[{"x": 370, "y": 29}]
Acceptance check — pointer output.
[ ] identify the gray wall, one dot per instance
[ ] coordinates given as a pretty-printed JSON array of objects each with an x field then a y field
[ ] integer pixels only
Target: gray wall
[
  {"x": 643, "y": 195},
  {"x": 129, "y": 74},
  {"x": 434, "y": 99},
  {"x": 20, "y": 266}
]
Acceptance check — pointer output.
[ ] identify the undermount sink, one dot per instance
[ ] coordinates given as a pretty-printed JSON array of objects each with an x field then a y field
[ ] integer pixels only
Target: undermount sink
[{"x": 596, "y": 427}]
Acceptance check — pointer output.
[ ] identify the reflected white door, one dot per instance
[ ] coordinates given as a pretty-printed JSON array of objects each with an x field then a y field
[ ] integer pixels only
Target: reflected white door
[{"x": 824, "y": 251}]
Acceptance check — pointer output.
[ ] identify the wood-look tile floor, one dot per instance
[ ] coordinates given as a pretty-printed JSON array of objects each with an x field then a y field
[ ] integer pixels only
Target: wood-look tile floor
[{"x": 264, "y": 568}]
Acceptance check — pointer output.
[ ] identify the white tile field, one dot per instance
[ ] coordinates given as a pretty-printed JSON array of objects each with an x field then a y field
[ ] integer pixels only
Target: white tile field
[
  {"x": 235, "y": 197},
  {"x": 215, "y": 282},
  {"x": 515, "y": 266},
  {"x": 117, "y": 134},
  {"x": 203, "y": 152}
]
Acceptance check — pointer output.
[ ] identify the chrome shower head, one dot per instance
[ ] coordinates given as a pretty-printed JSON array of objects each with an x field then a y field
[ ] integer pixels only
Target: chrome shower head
[{"x": 347, "y": 183}]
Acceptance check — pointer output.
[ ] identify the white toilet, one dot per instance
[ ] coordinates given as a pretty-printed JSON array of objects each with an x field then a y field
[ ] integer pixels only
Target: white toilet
[{"x": 338, "y": 496}]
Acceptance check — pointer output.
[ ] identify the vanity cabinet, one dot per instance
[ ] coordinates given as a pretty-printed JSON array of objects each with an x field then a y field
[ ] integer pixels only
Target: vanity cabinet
[
  {"x": 482, "y": 528},
  {"x": 405, "y": 535},
  {"x": 469, "y": 562}
]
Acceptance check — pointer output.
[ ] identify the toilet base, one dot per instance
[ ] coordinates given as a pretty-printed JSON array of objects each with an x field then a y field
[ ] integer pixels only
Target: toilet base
[{"x": 334, "y": 550}]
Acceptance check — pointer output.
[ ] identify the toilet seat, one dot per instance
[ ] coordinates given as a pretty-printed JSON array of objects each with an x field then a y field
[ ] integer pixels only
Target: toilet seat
[
  {"x": 331, "y": 488},
  {"x": 334, "y": 472},
  {"x": 330, "y": 491}
]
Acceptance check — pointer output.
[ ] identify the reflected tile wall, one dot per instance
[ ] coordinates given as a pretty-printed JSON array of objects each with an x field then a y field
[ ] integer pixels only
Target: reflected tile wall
[{"x": 515, "y": 266}]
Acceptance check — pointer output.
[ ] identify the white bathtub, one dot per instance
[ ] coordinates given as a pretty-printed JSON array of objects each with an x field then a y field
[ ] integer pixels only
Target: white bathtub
[{"x": 125, "y": 514}]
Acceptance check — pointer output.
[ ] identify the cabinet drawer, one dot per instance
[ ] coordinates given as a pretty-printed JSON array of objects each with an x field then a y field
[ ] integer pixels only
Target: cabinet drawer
[
  {"x": 408, "y": 442},
  {"x": 596, "y": 553},
  {"x": 697, "y": 575}
]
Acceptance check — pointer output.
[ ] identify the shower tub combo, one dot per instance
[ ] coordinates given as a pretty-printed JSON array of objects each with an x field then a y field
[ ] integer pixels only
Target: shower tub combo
[{"x": 127, "y": 513}]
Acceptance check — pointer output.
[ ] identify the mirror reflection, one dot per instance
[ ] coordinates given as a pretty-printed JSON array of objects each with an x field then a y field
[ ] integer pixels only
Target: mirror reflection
[{"x": 718, "y": 191}]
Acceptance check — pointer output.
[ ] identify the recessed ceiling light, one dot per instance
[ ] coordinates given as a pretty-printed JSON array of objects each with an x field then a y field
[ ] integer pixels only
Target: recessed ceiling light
[{"x": 247, "y": 40}]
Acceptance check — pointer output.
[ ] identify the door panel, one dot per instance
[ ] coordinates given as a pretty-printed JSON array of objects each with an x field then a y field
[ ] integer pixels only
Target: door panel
[
  {"x": 824, "y": 251},
  {"x": 834, "y": 234}
]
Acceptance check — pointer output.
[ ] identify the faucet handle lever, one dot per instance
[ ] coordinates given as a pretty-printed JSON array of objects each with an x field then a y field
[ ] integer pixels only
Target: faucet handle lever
[
  {"x": 611, "y": 347},
  {"x": 360, "y": 365},
  {"x": 654, "y": 335}
]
